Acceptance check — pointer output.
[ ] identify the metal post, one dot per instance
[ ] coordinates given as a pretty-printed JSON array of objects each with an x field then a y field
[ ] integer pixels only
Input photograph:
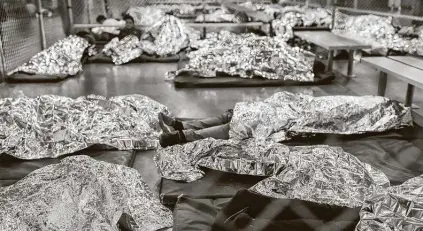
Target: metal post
[
  {"x": 330, "y": 60},
  {"x": 409, "y": 96},
  {"x": 70, "y": 13},
  {"x": 355, "y": 4},
  {"x": 350, "y": 72},
  {"x": 333, "y": 15},
  {"x": 328, "y": 3},
  {"x": 383, "y": 79},
  {"x": 2, "y": 59},
  {"x": 41, "y": 24},
  {"x": 90, "y": 5},
  {"x": 307, "y": 2}
]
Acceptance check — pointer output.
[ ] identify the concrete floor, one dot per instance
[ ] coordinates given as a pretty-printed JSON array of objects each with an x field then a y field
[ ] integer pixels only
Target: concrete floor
[{"x": 148, "y": 79}]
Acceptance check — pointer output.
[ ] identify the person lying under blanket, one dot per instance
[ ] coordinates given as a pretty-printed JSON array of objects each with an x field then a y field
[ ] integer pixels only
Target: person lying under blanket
[
  {"x": 63, "y": 58},
  {"x": 107, "y": 33},
  {"x": 285, "y": 115}
]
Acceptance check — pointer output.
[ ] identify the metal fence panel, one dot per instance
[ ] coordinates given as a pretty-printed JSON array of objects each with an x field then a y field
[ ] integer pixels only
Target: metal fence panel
[
  {"x": 406, "y": 7},
  {"x": 20, "y": 34}
]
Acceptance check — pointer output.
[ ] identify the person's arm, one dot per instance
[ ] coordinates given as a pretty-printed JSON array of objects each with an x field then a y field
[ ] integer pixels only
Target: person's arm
[{"x": 122, "y": 34}]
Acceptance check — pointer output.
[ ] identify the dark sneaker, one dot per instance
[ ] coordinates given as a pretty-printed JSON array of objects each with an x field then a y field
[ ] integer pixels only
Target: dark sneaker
[
  {"x": 164, "y": 123},
  {"x": 173, "y": 138}
]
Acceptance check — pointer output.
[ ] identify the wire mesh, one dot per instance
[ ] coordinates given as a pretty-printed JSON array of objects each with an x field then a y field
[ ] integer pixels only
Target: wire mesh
[
  {"x": 20, "y": 34},
  {"x": 53, "y": 24},
  {"x": 406, "y": 7}
]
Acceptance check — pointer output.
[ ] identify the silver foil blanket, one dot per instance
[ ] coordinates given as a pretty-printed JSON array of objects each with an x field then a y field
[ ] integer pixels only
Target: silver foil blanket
[
  {"x": 167, "y": 36},
  {"x": 323, "y": 174},
  {"x": 146, "y": 16},
  {"x": 248, "y": 56},
  {"x": 286, "y": 114},
  {"x": 219, "y": 15},
  {"x": 170, "y": 36},
  {"x": 316, "y": 173},
  {"x": 123, "y": 51},
  {"x": 376, "y": 31},
  {"x": 398, "y": 208},
  {"x": 179, "y": 9},
  {"x": 80, "y": 193},
  {"x": 266, "y": 8},
  {"x": 300, "y": 17},
  {"x": 63, "y": 58},
  {"x": 183, "y": 162},
  {"x": 49, "y": 126}
]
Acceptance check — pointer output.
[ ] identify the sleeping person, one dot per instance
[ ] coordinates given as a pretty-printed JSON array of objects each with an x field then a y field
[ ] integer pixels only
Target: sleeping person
[
  {"x": 286, "y": 115},
  {"x": 107, "y": 33},
  {"x": 64, "y": 58}
]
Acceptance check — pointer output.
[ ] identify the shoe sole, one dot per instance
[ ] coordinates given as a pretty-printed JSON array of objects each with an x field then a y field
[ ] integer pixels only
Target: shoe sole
[{"x": 163, "y": 126}]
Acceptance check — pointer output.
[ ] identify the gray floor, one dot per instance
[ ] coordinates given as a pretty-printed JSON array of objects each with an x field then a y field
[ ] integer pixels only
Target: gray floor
[{"x": 148, "y": 79}]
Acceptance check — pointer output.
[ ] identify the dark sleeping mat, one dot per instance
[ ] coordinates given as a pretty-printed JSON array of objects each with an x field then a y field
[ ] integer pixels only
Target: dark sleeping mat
[
  {"x": 231, "y": 214},
  {"x": 101, "y": 58},
  {"x": 21, "y": 77},
  {"x": 215, "y": 184},
  {"x": 252, "y": 211},
  {"x": 189, "y": 81},
  {"x": 397, "y": 153},
  {"x": 13, "y": 169}
]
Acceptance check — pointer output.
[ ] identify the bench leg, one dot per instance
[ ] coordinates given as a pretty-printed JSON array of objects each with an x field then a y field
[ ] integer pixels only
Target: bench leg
[
  {"x": 350, "y": 72},
  {"x": 383, "y": 78},
  {"x": 409, "y": 96},
  {"x": 330, "y": 60}
]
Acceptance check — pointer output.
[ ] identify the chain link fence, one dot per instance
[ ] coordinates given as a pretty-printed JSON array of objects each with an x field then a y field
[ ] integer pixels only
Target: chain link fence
[
  {"x": 406, "y": 7},
  {"x": 20, "y": 33}
]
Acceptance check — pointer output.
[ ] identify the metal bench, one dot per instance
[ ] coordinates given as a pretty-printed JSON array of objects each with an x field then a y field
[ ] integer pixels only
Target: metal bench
[
  {"x": 333, "y": 42},
  {"x": 408, "y": 69}
]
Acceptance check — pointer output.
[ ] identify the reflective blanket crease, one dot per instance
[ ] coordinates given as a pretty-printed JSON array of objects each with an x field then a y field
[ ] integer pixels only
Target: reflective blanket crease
[
  {"x": 81, "y": 193},
  {"x": 49, "y": 126},
  {"x": 397, "y": 208}
]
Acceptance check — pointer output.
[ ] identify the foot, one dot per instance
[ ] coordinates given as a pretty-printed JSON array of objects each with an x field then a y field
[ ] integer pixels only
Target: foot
[
  {"x": 173, "y": 138},
  {"x": 169, "y": 121},
  {"x": 166, "y": 123}
]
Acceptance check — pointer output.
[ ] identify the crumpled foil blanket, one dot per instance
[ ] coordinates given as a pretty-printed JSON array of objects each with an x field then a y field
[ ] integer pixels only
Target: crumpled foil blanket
[
  {"x": 179, "y": 9},
  {"x": 286, "y": 114},
  {"x": 123, "y": 51},
  {"x": 183, "y": 162},
  {"x": 81, "y": 193},
  {"x": 63, "y": 58},
  {"x": 323, "y": 174},
  {"x": 170, "y": 36},
  {"x": 268, "y": 9},
  {"x": 49, "y": 126},
  {"x": 300, "y": 17},
  {"x": 376, "y": 31},
  {"x": 316, "y": 173},
  {"x": 219, "y": 15},
  {"x": 146, "y": 16},
  {"x": 248, "y": 56},
  {"x": 398, "y": 208}
]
